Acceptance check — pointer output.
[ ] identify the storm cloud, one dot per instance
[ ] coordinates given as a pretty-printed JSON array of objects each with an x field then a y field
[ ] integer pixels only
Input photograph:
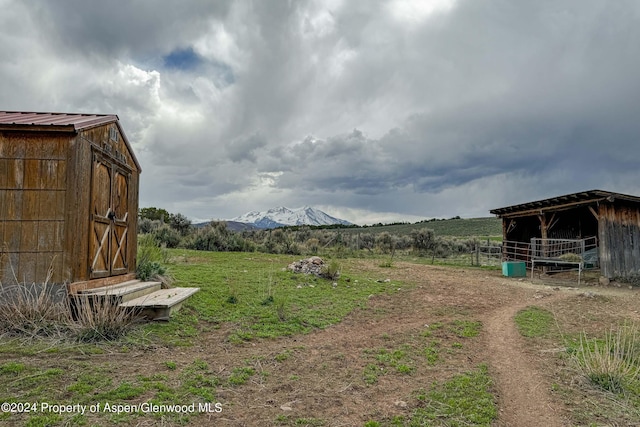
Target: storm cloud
[{"x": 370, "y": 110}]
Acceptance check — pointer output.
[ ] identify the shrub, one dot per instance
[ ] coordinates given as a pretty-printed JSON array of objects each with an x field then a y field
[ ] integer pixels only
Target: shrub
[
  {"x": 31, "y": 311},
  {"x": 313, "y": 245},
  {"x": 149, "y": 270},
  {"x": 386, "y": 242},
  {"x": 167, "y": 236},
  {"x": 100, "y": 319},
  {"x": 180, "y": 223},
  {"x": 150, "y": 260},
  {"x": 611, "y": 363},
  {"x": 146, "y": 225}
]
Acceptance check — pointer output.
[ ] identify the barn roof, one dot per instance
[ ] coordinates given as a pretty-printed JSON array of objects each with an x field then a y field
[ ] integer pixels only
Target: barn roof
[
  {"x": 60, "y": 122},
  {"x": 563, "y": 202}
]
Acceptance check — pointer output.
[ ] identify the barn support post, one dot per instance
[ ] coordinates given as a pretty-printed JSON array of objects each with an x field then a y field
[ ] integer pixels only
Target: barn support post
[
  {"x": 504, "y": 239},
  {"x": 543, "y": 232},
  {"x": 544, "y": 235}
]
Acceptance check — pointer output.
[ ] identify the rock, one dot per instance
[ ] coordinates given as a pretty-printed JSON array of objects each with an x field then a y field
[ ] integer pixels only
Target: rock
[
  {"x": 604, "y": 281},
  {"x": 313, "y": 265}
]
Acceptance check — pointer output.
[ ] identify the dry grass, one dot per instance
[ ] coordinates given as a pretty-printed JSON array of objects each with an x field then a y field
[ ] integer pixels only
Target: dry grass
[
  {"x": 611, "y": 363},
  {"x": 32, "y": 311},
  {"x": 100, "y": 319}
]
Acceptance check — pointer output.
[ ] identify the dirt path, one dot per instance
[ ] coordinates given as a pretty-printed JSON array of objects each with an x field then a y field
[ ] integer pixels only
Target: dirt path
[
  {"x": 523, "y": 398},
  {"x": 328, "y": 364}
]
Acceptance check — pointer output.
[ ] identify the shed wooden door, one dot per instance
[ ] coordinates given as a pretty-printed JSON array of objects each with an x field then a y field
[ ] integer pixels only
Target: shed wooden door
[{"x": 109, "y": 222}]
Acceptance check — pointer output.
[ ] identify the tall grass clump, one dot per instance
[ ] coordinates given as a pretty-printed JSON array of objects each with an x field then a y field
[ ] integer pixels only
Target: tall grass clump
[
  {"x": 151, "y": 258},
  {"x": 31, "y": 310},
  {"x": 100, "y": 319},
  {"x": 612, "y": 363},
  {"x": 331, "y": 271}
]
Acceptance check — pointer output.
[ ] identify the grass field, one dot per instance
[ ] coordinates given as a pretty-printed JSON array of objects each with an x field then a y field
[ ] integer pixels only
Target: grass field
[
  {"x": 252, "y": 292},
  {"x": 465, "y": 227}
]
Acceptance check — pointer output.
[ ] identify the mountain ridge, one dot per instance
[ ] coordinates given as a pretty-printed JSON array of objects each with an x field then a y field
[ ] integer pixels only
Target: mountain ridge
[{"x": 282, "y": 216}]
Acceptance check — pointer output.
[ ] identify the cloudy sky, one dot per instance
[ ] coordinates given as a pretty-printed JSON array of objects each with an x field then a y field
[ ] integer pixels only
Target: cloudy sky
[{"x": 369, "y": 110}]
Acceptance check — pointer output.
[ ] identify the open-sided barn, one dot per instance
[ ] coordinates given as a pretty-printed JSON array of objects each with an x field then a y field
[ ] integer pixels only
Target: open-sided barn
[{"x": 609, "y": 223}]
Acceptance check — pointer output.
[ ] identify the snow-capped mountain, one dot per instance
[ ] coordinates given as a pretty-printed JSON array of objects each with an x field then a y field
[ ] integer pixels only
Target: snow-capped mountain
[{"x": 279, "y": 217}]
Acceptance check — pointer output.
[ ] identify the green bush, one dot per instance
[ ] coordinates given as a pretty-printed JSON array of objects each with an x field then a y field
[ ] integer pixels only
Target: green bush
[
  {"x": 151, "y": 258},
  {"x": 149, "y": 270},
  {"x": 167, "y": 236}
]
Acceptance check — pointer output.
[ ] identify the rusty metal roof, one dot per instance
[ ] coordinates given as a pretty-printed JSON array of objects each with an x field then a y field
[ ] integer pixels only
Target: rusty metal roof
[
  {"x": 563, "y": 202},
  {"x": 60, "y": 122},
  {"x": 53, "y": 121}
]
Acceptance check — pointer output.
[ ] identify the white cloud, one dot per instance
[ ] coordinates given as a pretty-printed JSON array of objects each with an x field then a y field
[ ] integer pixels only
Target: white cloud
[{"x": 416, "y": 11}]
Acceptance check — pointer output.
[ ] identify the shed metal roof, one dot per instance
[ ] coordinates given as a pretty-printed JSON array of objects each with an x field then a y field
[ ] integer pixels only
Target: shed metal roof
[
  {"x": 60, "y": 122},
  {"x": 53, "y": 121},
  {"x": 563, "y": 202}
]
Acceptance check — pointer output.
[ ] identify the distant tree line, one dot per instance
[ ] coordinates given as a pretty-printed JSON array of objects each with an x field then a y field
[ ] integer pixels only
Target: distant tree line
[{"x": 176, "y": 231}]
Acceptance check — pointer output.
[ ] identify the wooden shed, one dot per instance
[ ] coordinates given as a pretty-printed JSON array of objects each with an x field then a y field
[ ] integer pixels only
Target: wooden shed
[
  {"x": 68, "y": 200},
  {"x": 610, "y": 220}
]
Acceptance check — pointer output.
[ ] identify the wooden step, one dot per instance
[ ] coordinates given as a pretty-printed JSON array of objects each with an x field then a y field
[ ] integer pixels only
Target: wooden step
[
  {"x": 125, "y": 291},
  {"x": 160, "y": 304},
  {"x": 76, "y": 287}
]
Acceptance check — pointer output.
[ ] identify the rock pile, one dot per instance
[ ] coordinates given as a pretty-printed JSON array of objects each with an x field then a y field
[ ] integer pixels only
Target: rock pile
[{"x": 313, "y": 265}]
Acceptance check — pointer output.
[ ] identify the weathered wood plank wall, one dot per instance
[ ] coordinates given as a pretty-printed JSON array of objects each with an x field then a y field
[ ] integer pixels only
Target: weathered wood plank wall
[
  {"x": 619, "y": 233},
  {"x": 32, "y": 199}
]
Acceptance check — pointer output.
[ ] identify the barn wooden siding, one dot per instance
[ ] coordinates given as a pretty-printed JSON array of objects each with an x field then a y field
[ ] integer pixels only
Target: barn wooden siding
[
  {"x": 619, "y": 235},
  {"x": 47, "y": 191}
]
